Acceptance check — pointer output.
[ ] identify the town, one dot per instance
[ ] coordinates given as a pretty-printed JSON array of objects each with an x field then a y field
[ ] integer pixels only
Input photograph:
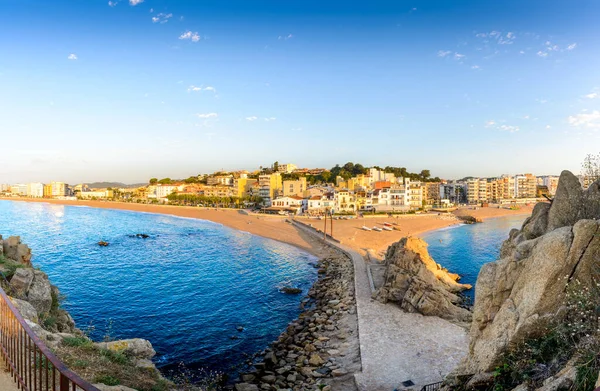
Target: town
[{"x": 285, "y": 188}]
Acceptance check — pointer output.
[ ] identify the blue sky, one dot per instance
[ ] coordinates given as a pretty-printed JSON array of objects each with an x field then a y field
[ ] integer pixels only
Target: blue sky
[{"x": 128, "y": 89}]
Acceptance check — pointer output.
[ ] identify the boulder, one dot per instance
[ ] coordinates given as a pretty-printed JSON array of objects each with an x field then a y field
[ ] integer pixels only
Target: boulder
[
  {"x": 15, "y": 250},
  {"x": 246, "y": 387},
  {"x": 521, "y": 294},
  {"x": 25, "y": 309},
  {"x": 21, "y": 281},
  {"x": 40, "y": 293},
  {"x": 135, "y": 347},
  {"x": 419, "y": 284}
]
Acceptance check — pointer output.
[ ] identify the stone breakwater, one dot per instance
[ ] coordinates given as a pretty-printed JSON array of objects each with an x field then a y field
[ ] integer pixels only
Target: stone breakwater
[
  {"x": 319, "y": 350},
  {"x": 37, "y": 300}
]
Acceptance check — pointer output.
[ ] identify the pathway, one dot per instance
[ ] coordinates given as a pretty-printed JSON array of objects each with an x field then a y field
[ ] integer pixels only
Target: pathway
[
  {"x": 396, "y": 346},
  {"x": 6, "y": 382}
]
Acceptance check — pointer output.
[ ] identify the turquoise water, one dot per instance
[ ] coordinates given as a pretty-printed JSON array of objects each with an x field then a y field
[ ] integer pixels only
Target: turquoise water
[
  {"x": 463, "y": 249},
  {"x": 185, "y": 288}
]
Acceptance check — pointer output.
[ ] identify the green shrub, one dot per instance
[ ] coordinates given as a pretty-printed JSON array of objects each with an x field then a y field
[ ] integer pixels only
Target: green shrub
[
  {"x": 76, "y": 341},
  {"x": 107, "y": 379},
  {"x": 116, "y": 357}
]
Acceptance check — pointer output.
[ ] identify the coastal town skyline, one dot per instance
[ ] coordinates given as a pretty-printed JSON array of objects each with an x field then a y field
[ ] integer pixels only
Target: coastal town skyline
[{"x": 122, "y": 90}]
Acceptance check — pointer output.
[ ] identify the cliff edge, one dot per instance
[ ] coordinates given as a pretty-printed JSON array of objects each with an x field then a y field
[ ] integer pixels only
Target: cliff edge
[{"x": 523, "y": 294}]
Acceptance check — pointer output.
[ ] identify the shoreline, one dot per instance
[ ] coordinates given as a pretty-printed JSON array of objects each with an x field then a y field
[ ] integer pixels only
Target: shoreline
[{"x": 348, "y": 232}]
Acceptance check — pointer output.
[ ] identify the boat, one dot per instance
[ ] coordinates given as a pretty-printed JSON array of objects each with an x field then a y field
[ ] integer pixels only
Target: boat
[
  {"x": 377, "y": 229},
  {"x": 365, "y": 228},
  {"x": 387, "y": 224},
  {"x": 386, "y": 228}
]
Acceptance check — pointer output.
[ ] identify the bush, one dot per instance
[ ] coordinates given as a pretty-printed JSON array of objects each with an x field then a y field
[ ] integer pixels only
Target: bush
[
  {"x": 107, "y": 379},
  {"x": 76, "y": 341}
]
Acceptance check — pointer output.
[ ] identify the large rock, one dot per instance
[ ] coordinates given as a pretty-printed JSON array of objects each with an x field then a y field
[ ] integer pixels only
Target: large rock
[
  {"x": 520, "y": 295},
  {"x": 418, "y": 284},
  {"x": 21, "y": 281},
  {"x": 135, "y": 347},
  {"x": 15, "y": 250},
  {"x": 40, "y": 292},
  {"x": 25, "y": 309}
]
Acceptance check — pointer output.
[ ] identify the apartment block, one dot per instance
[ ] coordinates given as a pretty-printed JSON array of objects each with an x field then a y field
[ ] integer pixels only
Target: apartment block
[{"x": 295, "y": 188}]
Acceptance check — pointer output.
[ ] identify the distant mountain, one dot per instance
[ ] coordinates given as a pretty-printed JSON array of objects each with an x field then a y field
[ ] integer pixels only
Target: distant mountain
[{"x": 103, "y": 185}]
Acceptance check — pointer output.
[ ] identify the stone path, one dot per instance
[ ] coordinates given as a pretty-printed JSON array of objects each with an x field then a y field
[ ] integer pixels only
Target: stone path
[
  {"x": 6, "y": 382},
  {"x": 396, "y": 346}
]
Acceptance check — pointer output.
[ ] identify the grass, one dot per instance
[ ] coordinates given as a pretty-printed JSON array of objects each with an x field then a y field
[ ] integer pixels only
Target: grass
[
  {"x": 10, "y": 266},
  {"x": 98, "y": 365}
]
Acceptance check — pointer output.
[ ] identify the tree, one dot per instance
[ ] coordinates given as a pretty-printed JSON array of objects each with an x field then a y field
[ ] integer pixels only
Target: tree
[
  {"x": 425, "y": 174},
  {"x": 153, "y": 181},
  {"x": 276, "y": 166},
  {"x": 590, "y": 169},
  {"x": 165, "y": 181}
]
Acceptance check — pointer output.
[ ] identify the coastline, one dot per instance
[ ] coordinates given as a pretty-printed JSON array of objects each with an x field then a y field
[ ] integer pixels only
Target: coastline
[{"x": 348, "y": 232}]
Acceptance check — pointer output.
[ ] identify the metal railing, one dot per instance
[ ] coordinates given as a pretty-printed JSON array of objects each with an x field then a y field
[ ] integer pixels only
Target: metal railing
[
  {"x": 29, "y": 361},
  {"x": 432, "y": 387}
]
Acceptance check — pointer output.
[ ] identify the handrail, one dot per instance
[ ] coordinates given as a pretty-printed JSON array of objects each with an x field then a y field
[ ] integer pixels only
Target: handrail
[
  {"x": 432, "y": 387},
  {"x": 30, "y": 363}
]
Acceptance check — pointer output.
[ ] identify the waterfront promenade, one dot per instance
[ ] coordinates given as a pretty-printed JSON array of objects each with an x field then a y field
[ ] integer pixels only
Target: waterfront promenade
[{"x": 396, "y": 346}]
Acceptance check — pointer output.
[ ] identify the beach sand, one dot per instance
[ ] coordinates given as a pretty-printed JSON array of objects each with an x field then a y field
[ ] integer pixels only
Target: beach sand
[
  {"x": 349, "y": 232},
  {"x": 491, "y": 212}
]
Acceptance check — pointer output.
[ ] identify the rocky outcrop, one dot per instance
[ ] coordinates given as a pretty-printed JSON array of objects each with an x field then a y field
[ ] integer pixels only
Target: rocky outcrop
[
  {"x": 12, "y": 248},
  {"x": 135, "y": 347},
  {"x": 518, "y": 296},
  {"x": 418, "y": 284}
]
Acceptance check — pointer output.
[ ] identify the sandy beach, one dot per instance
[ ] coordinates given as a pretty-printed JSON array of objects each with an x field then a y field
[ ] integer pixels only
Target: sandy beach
[{"x": 349, "y": 232}]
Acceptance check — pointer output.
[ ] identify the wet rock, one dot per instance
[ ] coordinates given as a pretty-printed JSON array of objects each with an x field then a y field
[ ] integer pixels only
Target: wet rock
[{"x": 291, "y": 290}]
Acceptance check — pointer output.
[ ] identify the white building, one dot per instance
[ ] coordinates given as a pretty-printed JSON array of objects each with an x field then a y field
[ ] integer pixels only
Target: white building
[
  {"x": 224, "y": 180},
  {"x": 35, "y": 190},
  {"x": 162, "y": 191},
  {"x": 319, "y": 203},
  {"x": 19, "y": 189},
  {"x": 287, "y": 168}
]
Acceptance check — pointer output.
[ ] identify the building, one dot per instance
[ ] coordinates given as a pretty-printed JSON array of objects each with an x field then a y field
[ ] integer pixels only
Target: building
[
  {"x": 218, "y": 191},
  {"x": 59, "y": 189},
  {"x": 19, "y": 189},
  {"x": 224, "y": 180},
  {"x": 525, "y": 186},
  {"x": 551, "y": 183},
  {"x": 99, "y": 194},
  {"x": 270, "y": 186},
  {"x": 287, "y": 168},
  {"x": 291, "y": 204},
  {"x": 344, "y": 201},
  {"x": 163, "y": 191},
  {"x": 317, "y": 205},
  {"x": 432, "y": 194},
  {"x": 35, "y": 190},
  {"x": 242, "y": 186},
  {"x": 295, "y": 188}
]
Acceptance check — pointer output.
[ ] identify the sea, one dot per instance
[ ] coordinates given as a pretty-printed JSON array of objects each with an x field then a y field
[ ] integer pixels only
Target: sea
[
  {"x": 464, "y": 248},
  {"x": 206, "y": 296}
]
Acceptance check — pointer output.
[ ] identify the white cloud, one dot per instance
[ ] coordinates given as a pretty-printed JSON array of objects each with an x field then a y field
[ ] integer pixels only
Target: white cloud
[
  {"x": 162, "y": 18},
  {"x": 113, "y": 3},
  {"x": 270, "y": 119},
  {"x": 443, "y": 53},
  {"x": 490, "y": 123},
  {"x": 585, "y": 120},
  {"x": 475, "y": 67},
  {"x": 72, "y": 56},
  {"x": 193, "y": 88},
  {"x": 458, "y": 56},
  {"x": 194, "y": 37},
  {"x": 508, "y": 128},
  {"x": 542, "y": 54},
  {"x": 526, "y": 117},
  {"x": 207, "y": 115},
  {"x": 593, "y": 95},
  {"x": 548, "y": 127},
  {"x": 135, "y": 2},
  {"x": 253, "y": 118},
  {"x": 572, "y": 46},
  {"x": 285, "y": 37}
]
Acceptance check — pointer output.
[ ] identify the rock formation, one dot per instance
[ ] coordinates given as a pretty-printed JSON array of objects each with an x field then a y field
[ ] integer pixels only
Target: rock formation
[
  {"x": 12, "y": 248},
  {"x": 519, "y": 295},
  {"x": 418, "y": 284}
]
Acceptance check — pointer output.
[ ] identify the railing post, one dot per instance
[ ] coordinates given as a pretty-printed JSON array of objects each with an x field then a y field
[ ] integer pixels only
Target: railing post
[{"x": 64, "y": 383}]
